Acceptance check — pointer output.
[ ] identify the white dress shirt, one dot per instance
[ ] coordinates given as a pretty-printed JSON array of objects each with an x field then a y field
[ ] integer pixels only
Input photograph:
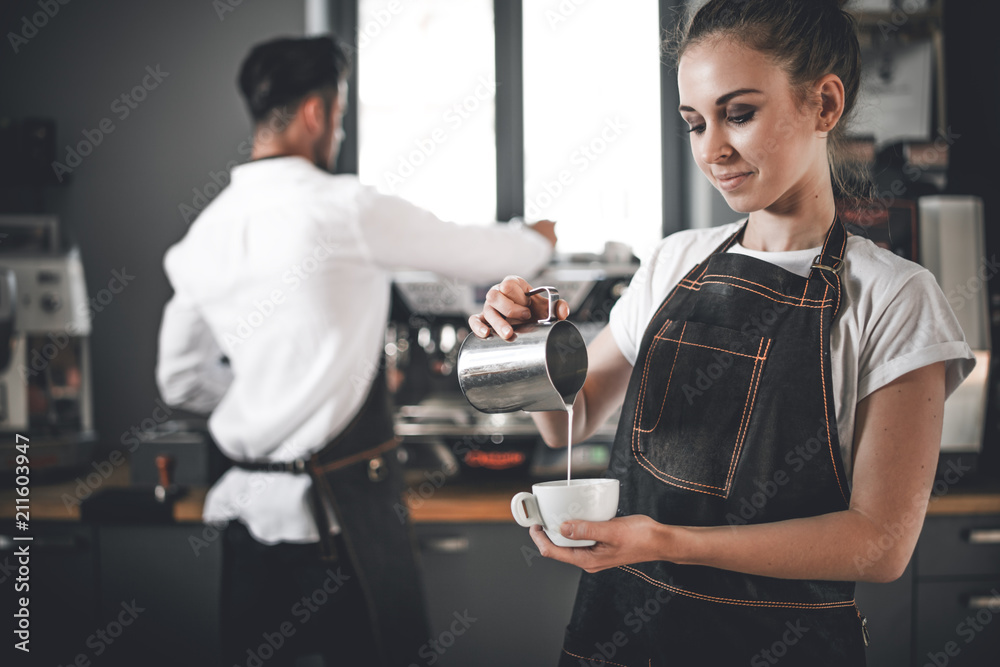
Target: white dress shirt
[{"x": 287, "y": 274}]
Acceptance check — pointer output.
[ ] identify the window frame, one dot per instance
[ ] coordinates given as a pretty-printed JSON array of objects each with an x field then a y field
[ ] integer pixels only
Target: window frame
[{"x": 507, "y": 16}]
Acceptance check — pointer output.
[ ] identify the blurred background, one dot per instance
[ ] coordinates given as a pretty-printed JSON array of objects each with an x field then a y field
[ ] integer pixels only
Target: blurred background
[{"x": 120, "y": 121}]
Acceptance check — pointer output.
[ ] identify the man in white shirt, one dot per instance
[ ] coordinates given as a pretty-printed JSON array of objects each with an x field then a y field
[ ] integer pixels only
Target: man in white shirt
[{"x": 276, "y": 327}]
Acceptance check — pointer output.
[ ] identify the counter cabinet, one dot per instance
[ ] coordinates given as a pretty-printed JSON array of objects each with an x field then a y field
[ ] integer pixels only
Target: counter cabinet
[
  {"x": 61, "y": 585},
  {"x": 493, "y": 573},
  {"x": 956, "y": 614},
  {"x": 492, "y": 599},
  {"x": 106, "y": 595},
  {"x": 943, "y": 610}
]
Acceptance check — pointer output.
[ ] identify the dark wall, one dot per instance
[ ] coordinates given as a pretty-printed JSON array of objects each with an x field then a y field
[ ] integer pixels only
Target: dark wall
[
  {"x": 973, "y": 96},
  {"x": 122, "y": 202}
]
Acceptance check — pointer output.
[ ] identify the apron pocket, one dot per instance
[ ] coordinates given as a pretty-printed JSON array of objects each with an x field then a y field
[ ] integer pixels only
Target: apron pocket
[{"x": 695, "y": 403}]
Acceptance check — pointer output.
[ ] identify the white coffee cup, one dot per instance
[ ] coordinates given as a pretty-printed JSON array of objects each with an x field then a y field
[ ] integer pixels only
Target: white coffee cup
[{"x": 551, "y": 503}]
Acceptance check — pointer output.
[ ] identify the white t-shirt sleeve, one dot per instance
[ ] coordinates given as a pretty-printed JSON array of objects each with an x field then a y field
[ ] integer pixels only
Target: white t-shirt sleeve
[
  {"x": 629, "y": 315},
  {"x": 916, "y": 328}
]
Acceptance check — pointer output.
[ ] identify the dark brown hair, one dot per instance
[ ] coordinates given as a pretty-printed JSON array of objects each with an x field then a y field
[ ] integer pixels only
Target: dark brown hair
[
  {"x": 807, "y": 38},
  {"x": 279, "y": 73}
]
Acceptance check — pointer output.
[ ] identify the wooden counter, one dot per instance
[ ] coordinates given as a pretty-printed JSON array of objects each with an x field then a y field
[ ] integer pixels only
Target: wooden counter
[
  {"x": 458, "y": 503},
  {"x": 958, "y": 503},
  {"x": 491, "y": 503},
  {"x": 486, "y": 503},
  {"x": 60, "y": 501}
]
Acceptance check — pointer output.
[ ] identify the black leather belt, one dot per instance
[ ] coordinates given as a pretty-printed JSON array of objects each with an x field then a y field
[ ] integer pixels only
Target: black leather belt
[
  {"x": 297, "y": 467},
  {"x": 301, "y": 466}
]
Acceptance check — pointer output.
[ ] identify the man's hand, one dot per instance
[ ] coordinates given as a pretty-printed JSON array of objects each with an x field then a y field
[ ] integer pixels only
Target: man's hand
[{"x": 546, "y": 228}]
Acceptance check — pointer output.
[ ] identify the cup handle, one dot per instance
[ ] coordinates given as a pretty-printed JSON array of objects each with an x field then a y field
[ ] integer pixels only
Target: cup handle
[{"x": 525, "y": 510}]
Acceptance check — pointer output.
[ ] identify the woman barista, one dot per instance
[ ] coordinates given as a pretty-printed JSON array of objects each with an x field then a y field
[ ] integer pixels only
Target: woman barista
[{"x": 782, "y": 383}]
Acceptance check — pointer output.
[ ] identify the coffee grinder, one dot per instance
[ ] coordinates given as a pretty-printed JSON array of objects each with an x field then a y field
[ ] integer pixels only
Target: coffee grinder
[{"x": 45, "y": 386}]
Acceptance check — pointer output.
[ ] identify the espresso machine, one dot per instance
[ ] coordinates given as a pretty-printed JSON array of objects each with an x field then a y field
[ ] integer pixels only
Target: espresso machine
[
  {"x": 443, "y": 435},
  {"x": 45, "y": 384}
]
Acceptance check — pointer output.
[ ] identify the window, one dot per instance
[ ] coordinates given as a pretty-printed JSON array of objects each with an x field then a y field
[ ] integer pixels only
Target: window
[
  {"x": 426, "y": 104},
  {"x": 590, "y": 84},
  {"x": 592, "y": 121}
]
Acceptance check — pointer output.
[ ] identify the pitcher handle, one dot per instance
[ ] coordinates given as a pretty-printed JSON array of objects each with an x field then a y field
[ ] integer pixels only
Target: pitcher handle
[{"x": 552, "y": 294}]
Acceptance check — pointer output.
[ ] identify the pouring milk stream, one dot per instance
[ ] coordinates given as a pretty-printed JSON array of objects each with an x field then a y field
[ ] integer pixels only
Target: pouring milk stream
[{"x": 542, "y": 369}]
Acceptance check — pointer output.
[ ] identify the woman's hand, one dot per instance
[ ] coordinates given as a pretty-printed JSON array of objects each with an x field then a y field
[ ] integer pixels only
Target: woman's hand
[
  {"x": 897, "y": 448},
  {"x": 508, "y": 304},
  {"x": 621, "y": 541}
]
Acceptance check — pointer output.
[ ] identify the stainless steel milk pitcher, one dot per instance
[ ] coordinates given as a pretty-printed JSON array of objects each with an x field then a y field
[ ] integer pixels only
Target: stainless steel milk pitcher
[{"x": 542, "y": 368}]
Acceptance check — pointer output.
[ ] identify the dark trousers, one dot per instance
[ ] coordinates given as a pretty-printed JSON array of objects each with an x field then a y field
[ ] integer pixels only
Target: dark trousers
[{"x": 281, "y": 603}]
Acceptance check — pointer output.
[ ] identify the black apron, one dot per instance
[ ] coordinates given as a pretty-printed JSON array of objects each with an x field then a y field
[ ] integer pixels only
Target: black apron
[
  {"x": 360, "y": 476},
  {"x": 728, "y": 420},
  {"x": 357, "y": 476}
]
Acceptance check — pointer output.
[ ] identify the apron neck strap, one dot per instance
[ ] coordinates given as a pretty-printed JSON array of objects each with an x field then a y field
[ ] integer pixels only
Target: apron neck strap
[
  {"x": 826, "y": 266},
  {"x": 728, "y": 243},
  {"x": 831, "y": 257}
]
